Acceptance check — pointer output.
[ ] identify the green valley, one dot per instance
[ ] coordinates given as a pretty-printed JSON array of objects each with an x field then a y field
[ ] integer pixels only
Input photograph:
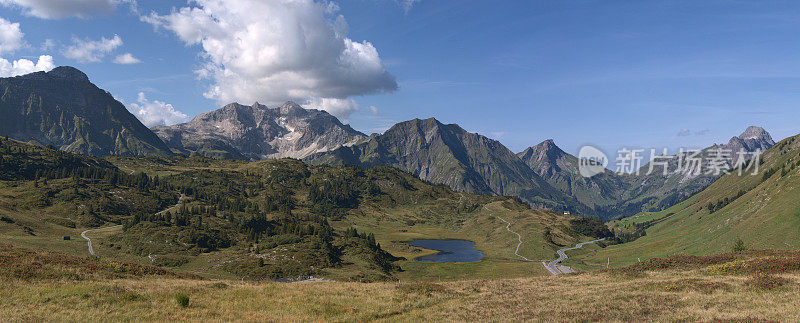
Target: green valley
[{"x": 262, "y": 220}]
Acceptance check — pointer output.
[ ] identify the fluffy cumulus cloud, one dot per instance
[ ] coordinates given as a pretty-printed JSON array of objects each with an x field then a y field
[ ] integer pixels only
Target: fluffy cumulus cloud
[
  {"x": 276, "y": 50},
  {"x": 24, "y": 66},
  {"x": 85, "y": 50},
  {"x": 126, "y": 59},
  {"x": 10, "y": 36},
  {"x": 154, "y": 113},
  {"x": 56, "y": 9}
]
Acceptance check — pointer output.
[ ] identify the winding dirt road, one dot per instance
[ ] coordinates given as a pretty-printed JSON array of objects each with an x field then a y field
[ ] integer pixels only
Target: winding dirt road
[
  {"x": 89, "y": 241},
  {"x": 519, "y": 237}
]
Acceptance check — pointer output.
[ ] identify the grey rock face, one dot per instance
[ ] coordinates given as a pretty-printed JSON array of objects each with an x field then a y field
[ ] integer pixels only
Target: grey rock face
[
  {"x": 751, "y": 140},
  {"x": 62, "y": 108},
  {"x": 561, "y": 171},
  {"x": 448, "y": 154},
  {"x": 257, "y": 132}
]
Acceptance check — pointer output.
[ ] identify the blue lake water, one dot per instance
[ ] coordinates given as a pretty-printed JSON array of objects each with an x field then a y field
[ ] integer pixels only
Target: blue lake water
[{"x": 450, "y": 250}]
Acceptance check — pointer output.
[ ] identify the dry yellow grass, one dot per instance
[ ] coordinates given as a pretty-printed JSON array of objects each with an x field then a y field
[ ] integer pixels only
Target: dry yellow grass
[{"x": 663, "y": 295}]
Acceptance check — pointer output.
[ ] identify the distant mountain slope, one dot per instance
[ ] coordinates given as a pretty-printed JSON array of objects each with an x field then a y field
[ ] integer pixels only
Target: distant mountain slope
[
  {"x": 62, "y": 108},
  {"x": 257, "y": 132},
  {"x": 448, "y": 154},
  {"x": 615, "y": 195},
  {"x": 560, "y": 170},
  {"x": 655, "y": 192},
  {"x": 762, "y": 210}
]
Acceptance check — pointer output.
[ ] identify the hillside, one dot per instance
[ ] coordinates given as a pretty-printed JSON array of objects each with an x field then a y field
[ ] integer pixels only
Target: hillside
[
  {"x": 762, "y": 210},
  {"x": 62, "y": 108},
  {"x": 261, "y": 220}
]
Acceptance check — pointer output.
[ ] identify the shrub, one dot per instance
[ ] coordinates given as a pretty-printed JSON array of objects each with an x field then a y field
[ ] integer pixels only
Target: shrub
[
  {"x": 182, "y": 300},
  {"x": 738, "y": 245},
  {"x": 764, "y": 281},
  {"x": 590, "y": 227}
]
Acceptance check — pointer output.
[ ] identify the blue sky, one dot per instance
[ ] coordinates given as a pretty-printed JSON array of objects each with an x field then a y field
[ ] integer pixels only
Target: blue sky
[{"x": 608, "y": 73}]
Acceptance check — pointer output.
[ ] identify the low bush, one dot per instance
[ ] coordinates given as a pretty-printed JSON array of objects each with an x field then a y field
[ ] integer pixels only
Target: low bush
[
  {"x": 765, "y": 265},
  {"x": 182, "y": 300},
  {"x": 696, "y": 285},
  {"x": 763, "y": 281}
]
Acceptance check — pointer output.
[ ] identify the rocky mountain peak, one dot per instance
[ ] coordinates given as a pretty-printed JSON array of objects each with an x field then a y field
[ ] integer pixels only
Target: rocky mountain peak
[
  {"x": 758, "y": 133},
  {"x": 752, "y": 139},
  {"x": 549, "y": 146},
  {"x": 428, "y": 123},
  {"x": 545, "y": 151},
  {"x": 68, "y": 73},
  {"x": 290, "y": 108},
  {"x": 259, "y": 132}
]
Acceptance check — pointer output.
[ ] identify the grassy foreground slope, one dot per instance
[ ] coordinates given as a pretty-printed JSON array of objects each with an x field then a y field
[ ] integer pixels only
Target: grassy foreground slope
[
  {"x": 745, "y": 286},
  {"x": 762, "y": 210}
]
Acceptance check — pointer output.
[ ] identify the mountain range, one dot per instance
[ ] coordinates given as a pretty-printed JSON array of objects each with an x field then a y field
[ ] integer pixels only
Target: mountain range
[
  {"x": 257, "y": 132},
  {"x": 64, "y": 109},
  {"x": 448, "y": 154},
  {"x": 614, "y": 195}
]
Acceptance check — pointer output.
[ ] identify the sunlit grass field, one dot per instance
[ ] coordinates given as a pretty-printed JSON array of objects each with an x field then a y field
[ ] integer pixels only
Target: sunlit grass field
[{"x": 738, "y": 287}]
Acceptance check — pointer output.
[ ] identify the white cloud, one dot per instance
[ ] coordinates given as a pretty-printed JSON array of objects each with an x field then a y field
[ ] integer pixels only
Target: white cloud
[
  {"x": 85, "y": 50},
  {"x": 56, "y": 9},
  {"x": 48, "y": 44},
  {"x": 154, "y": 113},
  {"x": 10, "y": 36},
  {"x": 338, "y": 107},
  {"x": 272, "y": 51},
  {"x": 407, "y": 4},
  {"x": 24, "y": 66},
  {"x": 688, "y": 132},
  {"x": 126, "y": 59}
]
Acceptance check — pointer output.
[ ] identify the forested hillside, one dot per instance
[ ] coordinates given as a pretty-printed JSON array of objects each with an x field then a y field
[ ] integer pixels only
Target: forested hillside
[{"x": 262, "y": 220}]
